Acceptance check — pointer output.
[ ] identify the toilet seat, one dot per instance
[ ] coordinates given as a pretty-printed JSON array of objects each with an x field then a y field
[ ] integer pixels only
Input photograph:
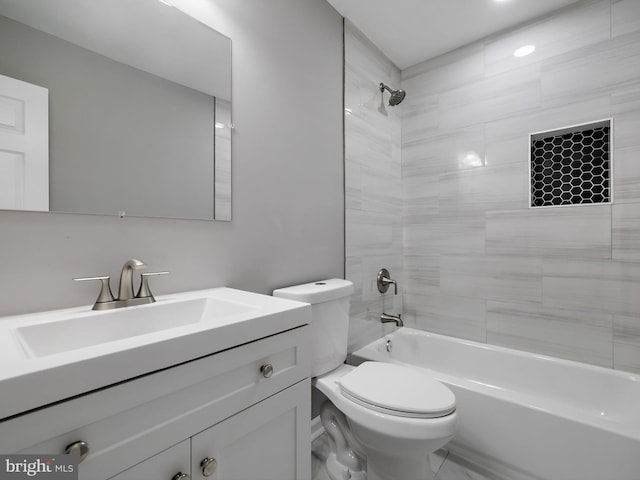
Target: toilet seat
[{"x": 397, "y": 390}]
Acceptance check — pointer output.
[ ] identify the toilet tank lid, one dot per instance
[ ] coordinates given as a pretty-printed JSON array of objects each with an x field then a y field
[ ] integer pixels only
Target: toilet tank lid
[{"x": 317, "y": 292}]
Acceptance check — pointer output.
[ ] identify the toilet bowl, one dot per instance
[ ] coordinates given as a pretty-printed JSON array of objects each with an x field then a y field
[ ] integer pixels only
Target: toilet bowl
[{"x": 383, "y": 419}]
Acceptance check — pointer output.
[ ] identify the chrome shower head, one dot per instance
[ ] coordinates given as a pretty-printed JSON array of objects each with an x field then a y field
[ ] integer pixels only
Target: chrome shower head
[{"x": 396, "y": 95}]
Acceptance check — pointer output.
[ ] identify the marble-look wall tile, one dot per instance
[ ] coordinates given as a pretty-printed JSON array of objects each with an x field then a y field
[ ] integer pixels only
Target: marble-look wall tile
[
  {"x": 500, "y": 96},
  {"x": 484, "y": 188},
  {"x": 518, "y": 127},
  {"x": 419, "y": 116},
  {"x": 353, "y": 272},
  {"x": 507, "y": 279},
  {"x": 461, "y": 317},
  {"x": 447, "y": 151},
  {"x": 507, "y": 150},
  {"x": 381, "y": 187},
  {"x": 442, "y": 73},
  {"x": 419, "y": 193},
  {"x": 625, "y": 107},
  {"x": 373, "y": 180},
  {"x": 626, "y": 343},
  {"x": 563, "y": 32},
  {"x": 368, "y": 143},
  {"x": 626, "y": 232},
  {"x": 574, "y": 335},
  {"x": 626, "y": 175},
  {"x": 455, "y": 225},
  {"x": 353, "y": 186},
  {"x": 599, "y": 286},
  {"x": 421, "y": 274},
  {"x": 461, "y": 234},
  {"x": 596, "y": 70},
  {"x": 365, "y": 58},
  {"x": 625, "y": 17},
  {"x": 568, "y": 232},
  {"x": 369, "y": 233}
]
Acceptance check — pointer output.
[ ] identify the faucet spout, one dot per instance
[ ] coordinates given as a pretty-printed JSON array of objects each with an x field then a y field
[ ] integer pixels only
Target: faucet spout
[
  {"x": 125, "y": 292},
  {"x": 384, "y": 318}
]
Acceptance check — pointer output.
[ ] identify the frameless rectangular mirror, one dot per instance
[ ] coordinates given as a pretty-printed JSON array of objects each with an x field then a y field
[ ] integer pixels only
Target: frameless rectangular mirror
[{"x": 115, "y": 107}]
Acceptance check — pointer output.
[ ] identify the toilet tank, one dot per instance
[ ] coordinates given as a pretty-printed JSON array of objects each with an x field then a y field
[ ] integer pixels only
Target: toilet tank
[{"x": 330, "y": 300}]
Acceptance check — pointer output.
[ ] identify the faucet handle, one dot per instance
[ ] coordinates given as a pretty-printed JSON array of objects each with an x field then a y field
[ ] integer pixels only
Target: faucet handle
[
  {"x": 143, "y": 291},
  {"x": 105, "y": 294},
  {"x": 383, "y": 281}
]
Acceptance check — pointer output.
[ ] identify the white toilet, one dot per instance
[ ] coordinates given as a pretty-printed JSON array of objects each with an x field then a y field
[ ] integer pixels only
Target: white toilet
[{"x": 383, "y": 419}]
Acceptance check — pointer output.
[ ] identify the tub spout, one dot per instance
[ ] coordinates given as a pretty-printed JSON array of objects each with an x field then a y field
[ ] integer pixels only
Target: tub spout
[{"x": 384, "y": 318}]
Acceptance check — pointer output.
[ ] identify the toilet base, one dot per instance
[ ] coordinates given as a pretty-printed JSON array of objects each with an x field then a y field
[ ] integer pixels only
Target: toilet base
[
  {"x": 342, "y": 462},
  {"x": 339, "y": 471}
]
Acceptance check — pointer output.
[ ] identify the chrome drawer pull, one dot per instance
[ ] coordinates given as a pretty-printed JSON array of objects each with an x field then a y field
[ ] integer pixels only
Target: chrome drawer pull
[
  {"x": 80, "y": 449},
  {"x": 266, "y": 370}
]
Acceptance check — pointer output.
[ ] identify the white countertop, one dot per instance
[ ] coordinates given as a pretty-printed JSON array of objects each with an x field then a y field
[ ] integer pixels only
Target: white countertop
[{"x": 28, "y": 381}]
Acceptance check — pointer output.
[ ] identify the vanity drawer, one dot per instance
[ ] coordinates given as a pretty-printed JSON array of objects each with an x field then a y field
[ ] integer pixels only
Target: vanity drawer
[
  {"x": 163, "y": 466},
  {"x": 158, "y": 410}
]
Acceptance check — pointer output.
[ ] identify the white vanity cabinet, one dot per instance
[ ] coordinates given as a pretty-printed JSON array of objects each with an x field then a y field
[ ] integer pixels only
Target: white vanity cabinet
[
  {"x": 263, "y": 442},
  {"x": 164, "y": 465},
  {"x": 247, "y": 408}
]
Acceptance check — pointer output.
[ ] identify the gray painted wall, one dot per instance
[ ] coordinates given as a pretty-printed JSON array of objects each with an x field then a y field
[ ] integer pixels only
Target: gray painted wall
[{"x": 288, "y": 201}]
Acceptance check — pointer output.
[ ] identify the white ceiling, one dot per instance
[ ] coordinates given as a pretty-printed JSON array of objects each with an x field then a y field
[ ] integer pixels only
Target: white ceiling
[{"x": 411, "y": 31}]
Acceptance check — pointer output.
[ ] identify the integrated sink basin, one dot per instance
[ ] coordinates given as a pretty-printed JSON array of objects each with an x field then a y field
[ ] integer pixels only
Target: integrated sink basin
[
  {"x": 82, "y": 330},
  {"x": 63, "y": 353}
]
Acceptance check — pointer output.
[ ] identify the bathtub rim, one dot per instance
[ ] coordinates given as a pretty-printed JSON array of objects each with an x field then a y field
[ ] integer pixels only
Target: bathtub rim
[{"x": 612, "y": 426}]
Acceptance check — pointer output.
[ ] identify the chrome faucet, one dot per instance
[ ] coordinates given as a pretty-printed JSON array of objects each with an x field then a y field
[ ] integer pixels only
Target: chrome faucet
[
  {"x": 125, "y": 292},
  {"x": 384, "y": 318},
  {"x": 126, "y": 298}
]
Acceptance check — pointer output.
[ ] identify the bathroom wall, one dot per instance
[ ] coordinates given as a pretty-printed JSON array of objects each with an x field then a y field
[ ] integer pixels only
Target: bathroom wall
[
  {"x": 288, "y": 199},
  {"x": 479, "y": 264},
  {"x": 373, "y": 185}
]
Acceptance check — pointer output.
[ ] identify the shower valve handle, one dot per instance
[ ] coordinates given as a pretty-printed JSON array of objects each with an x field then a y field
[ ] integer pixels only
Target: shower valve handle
[{"x": 384, "y": 281}]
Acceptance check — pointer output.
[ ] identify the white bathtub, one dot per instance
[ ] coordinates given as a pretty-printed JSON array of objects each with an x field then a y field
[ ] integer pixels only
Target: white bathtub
[{"x": 528, "y": 416}]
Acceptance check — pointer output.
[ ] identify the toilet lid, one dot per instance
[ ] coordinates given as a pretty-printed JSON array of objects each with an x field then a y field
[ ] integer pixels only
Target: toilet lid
[{"x": 397, "y": 390}]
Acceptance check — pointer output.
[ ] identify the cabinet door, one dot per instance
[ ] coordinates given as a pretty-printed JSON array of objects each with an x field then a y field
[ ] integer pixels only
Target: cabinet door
[
  {"x": 163, "y": 466},
  {"x": 268, "y": 441}
]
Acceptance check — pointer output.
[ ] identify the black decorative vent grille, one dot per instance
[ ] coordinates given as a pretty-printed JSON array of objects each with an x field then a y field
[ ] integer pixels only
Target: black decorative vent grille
[{"x": 571, "y": 166}]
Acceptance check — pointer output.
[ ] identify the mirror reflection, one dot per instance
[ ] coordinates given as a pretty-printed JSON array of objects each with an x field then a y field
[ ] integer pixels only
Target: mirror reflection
[{"x": 111, "y": 108}]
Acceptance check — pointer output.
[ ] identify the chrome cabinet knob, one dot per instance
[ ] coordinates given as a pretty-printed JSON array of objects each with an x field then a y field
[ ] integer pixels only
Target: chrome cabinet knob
[
  {"x": 266, "y": 370},
  {"x": 181, "y": 476},
  {"x": 80, "y": 449},
  {"x": 209, "y": 466}
]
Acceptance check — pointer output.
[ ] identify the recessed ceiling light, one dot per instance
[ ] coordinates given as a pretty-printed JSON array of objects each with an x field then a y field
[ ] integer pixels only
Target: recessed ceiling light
[{"x": 524, "y": 51}]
